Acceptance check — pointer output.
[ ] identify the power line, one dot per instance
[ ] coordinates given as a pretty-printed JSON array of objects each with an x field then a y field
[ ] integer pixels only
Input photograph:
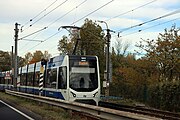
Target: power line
[
  {"x": 32, "y": 40},
  {"x": 38, "y": 14},
  {"x": 92, "y": 12},
  {"x": 43, "y": 10},
  {"x": 150, "y": 27},
  {"x": 42, "y": 18},
  {"x": 48, "y": 12},
  {"x": 63, "y": 15},
  {"x": 67, "y": 13},
  {"x": 44, "y": 41},
  {"x": 169, "y": 14},
  {"x": 130, "y": 10},
  {"x": 28, "y": 42},
  {"x": 33, "y": 33}
]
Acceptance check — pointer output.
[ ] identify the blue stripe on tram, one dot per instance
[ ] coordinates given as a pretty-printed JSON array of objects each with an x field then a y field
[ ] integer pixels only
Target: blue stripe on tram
[{"x": 46, "y": 93}]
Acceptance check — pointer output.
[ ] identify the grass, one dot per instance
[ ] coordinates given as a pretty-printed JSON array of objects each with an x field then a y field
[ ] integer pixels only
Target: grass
[{"x": 47, "y": 112}]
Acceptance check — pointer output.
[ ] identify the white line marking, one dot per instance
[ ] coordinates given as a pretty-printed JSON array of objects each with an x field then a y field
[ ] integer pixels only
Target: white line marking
[{"x": 17, "y": 110}]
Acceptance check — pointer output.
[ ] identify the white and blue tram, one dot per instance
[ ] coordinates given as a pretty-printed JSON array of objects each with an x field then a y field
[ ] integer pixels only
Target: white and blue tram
[
  {"x": 6, "y": 80},
  {"x": 69, "y": 77}
]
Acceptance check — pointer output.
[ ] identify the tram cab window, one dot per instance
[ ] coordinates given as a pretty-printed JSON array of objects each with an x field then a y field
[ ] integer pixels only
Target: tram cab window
[
  {"x": 83, "y": 75},
  {"x": 62, "y": 77},
  {"x": 51, "y": 78}
]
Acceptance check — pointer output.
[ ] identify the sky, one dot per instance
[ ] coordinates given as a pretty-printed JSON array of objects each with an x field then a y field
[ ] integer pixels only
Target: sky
[{"x": 119, "y": 15}]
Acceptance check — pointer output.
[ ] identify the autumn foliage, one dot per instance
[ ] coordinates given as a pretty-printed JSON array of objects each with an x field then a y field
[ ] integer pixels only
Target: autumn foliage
[{"x": 153, "y": 79}]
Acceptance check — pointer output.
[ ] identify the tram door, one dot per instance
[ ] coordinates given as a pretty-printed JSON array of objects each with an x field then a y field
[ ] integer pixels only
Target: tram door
[{"x": 62, "y": 81}]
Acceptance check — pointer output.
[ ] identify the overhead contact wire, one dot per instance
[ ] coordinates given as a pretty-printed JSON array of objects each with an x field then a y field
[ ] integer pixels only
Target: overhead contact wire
[
  {"x": 92, "y": 12},
  {"x": 49, "y": 12},
  {"x": 33, "y": 33},
  {"x": 67, "y": 13},
  {"x": 57, "y": 20},
  {"x": 44, "y": 40},
  {"x": 130, "y": 10},
  {"x": 38, "y": 14},
  {"x": 150, "y": 27},
  {"x": 169, "y": 14}
]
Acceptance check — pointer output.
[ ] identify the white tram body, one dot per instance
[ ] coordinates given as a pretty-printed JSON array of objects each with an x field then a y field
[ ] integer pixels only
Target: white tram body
[{"x": 69, "y": 77}]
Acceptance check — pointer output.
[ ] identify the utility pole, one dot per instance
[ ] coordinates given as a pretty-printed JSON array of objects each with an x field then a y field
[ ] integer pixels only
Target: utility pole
[
  {"x": 12, "y": 64},
  {"x": 16, "y": 54},
  {"x": 108, "y": 60},
  {"x": 108, "y": 36}
]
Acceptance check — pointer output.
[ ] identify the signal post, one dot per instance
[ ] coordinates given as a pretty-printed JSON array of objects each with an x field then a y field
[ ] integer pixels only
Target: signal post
[{"x": 41, "y": 78}]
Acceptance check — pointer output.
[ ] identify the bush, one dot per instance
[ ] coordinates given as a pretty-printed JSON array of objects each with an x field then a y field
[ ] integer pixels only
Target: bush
[{"x": 165, "y": 96}]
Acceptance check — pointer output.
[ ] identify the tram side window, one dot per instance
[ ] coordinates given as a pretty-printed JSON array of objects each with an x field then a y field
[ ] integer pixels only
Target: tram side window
[
  {"x": 2, "y": 80},
  {"x": 51, "y": 78},
  {"x": 36, "y": 81},
  {"x": 62, "y": 77},
  {"x": 30, "y": 79},
  {"x": 23, "y": 79},
  {"x": 6, "y": 81}
]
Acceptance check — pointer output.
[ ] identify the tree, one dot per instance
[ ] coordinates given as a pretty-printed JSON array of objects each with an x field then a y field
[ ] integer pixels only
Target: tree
[
  {"x": 92, "y": 40},
  {"x": 5, "y": 61},
  {"x": 22, "y": 62},
  {"x": 37, "y": 56},
  {"x": 119, "y": 53},
  {"x": 165, "y": 52},
  {"x": 28, "y": 57},
  {"x": 65, "y": 45},
  {"x": 154, "y": 78},
  {"x": 121, "y": 48}
]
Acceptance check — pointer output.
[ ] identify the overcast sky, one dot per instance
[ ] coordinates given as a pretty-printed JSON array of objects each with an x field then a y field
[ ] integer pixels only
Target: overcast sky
[{"x": 118, "y": 14}]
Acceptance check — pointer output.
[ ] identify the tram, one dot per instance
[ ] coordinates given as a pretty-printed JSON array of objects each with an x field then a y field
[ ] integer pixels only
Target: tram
[{"x": 68, "y": 77}]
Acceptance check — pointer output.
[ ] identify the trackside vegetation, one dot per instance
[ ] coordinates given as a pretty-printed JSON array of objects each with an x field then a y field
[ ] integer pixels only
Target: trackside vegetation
[{"x": 153, "y": 79}]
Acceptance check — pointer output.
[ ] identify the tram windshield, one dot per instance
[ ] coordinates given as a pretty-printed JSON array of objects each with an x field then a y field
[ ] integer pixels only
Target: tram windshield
[{"x": 83, "y": 74}]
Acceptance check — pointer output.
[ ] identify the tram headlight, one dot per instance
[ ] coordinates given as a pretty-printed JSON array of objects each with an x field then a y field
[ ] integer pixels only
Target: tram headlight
[
  {"x": 94, "y": 95},
  {"x": 74, "y": 95}
]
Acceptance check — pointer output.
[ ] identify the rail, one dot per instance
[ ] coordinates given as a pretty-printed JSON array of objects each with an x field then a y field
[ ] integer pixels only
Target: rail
[
  {"x": 95, "y": 111},
  {"x": 142, "y": 110}
]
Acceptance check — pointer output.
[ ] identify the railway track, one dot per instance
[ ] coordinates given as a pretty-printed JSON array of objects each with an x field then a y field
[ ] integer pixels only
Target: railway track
[
  {"x": 116, "y": 111},
  {"x": 142, "y": 110},
  {"x": 95, "y": 112}
]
